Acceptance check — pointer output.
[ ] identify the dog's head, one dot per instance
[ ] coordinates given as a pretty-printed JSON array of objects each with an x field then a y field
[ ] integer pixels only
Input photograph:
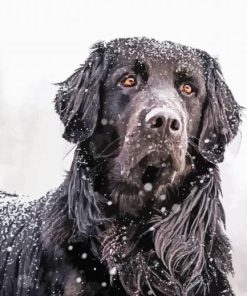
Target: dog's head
[{"x": 148, "y": 109}]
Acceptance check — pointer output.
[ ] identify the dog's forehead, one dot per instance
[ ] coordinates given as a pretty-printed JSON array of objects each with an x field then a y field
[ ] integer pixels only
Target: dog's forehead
[{"x": 154, "y": 53}]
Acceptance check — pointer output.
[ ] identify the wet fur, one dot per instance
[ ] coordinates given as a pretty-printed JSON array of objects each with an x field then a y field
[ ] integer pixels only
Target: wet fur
[{"x": 181, "y": 251}]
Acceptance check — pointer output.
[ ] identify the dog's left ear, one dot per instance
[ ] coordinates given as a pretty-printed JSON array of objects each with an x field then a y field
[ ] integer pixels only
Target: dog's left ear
[
  {"x": 78, "y": 99},
  {"x": 221, "y": 116}
]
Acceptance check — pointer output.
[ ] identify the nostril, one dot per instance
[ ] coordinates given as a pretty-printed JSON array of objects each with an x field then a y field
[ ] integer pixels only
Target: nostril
[
  {"x": 157, "y": 122},
  {"x": 175, "y": 125}
]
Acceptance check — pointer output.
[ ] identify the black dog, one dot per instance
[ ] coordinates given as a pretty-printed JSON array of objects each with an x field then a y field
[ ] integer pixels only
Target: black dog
[{"x": 139, "y": 211}]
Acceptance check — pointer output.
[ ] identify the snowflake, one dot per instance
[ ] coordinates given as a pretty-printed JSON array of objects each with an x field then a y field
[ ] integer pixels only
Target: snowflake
[
  {"x": 104, "y": 121},
  {"x": 148, "y": 187},
  {"x": 113, "y": 271},
  {"x": 78, "y": 280},
  {"x": 84, "y": 256}
]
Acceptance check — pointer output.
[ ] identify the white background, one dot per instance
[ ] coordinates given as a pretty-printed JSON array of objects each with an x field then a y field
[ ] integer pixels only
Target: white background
[{"x": 42, "y": 42}]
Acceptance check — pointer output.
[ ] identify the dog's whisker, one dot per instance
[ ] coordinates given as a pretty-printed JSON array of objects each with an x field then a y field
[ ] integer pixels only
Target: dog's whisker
[
  {"x": 193, "y": 137},
  {"x": 108, "y": 146},
  {"x": 73, "y": 148},
  {"x": 191, "y": 158},
  {"x": 104, "y": 160},
  {"x": 195, "y": 146}
]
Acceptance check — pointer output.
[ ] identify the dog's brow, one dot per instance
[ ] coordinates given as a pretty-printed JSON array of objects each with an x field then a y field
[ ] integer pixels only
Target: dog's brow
[
  {"x": 141, "y": 68},
  {"x": 184, "y": 75}
]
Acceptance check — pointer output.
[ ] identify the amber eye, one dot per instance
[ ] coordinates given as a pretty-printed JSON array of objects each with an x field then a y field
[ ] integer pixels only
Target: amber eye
[
  {"x": 129, "y": 81},
  {"x": 187, "y": 88}
]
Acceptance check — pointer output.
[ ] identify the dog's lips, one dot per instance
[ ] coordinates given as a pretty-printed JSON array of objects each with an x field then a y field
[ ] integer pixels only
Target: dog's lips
[{"x": 154, "y": 168}]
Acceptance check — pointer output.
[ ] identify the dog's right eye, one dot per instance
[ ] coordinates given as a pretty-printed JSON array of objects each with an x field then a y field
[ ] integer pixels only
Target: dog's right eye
[{"x": 129, "y": 80}]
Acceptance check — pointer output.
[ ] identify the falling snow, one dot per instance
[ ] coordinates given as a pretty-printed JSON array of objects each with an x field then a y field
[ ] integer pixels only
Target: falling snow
[
  {"x": 78, "y": 280},
  {"x": 113, "y": 271},
  {"x": 148, "y": 187},
  {"x": 104, "y": 121},
  {"x": 84, "y": 255},
  {"x": 175, "y": 240}
]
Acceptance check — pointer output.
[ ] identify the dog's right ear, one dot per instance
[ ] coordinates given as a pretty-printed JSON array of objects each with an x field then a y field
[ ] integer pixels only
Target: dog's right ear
[
  {"x": 222, "y": 114},
  {"x": 78, "y": 99}
]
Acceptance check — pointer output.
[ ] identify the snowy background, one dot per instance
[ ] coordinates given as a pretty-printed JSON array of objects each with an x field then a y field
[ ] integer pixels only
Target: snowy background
[{"x": 42, "y": 42}]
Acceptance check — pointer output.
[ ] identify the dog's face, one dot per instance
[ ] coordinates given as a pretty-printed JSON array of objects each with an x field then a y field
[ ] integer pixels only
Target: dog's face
[
  {"x": 154, "y": 104},
  {"x": 143, "y": 103}
]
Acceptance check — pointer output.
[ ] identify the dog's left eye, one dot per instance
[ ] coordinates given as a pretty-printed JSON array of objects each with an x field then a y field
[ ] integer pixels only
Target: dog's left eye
[
  {"x": 129, "y": 80},
  {"x": 187, "y": 88}
]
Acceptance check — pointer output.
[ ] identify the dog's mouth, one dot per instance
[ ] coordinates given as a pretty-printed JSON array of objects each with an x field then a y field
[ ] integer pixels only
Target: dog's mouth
[
  {"x": 153, "y": 171},
  {"x": 155, "y": 167}
]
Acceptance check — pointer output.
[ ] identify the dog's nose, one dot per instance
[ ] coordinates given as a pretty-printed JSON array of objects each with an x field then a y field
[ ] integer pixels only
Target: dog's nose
[{"x": 164, "y": 119}]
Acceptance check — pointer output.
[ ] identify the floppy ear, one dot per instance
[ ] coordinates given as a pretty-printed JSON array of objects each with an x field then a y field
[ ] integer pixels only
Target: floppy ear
[
  {"x": 78, "y": 99},
  {"x": 221, "y": 117}
]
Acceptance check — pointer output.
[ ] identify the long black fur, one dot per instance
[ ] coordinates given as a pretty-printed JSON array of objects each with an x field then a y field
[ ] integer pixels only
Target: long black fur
[{"x": 73, "y": 242}]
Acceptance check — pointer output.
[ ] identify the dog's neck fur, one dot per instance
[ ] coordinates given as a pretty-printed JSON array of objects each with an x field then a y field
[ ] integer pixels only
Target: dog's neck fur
[
  {"x": 175, "y": 251},
  {"x": 182, "y": 244}
]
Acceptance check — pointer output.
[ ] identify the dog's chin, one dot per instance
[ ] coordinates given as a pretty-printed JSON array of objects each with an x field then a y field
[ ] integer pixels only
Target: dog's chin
[
  {"x": 155, "y": 171},
  {"x": 145, "y": 183}
]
